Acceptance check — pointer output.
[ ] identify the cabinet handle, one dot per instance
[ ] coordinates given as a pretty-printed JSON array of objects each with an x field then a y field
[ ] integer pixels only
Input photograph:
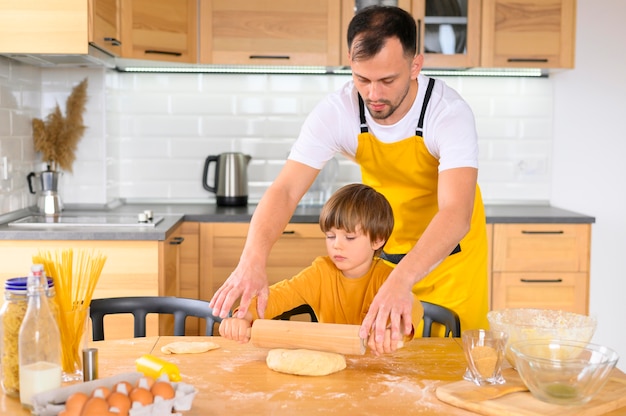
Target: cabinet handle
[
  {"x": 541, "y": 280},
  {"x": 113, "y": 41},
  {"x": 177, "y": 240},
  {"x": 538, "y": 60},
  {"x": 269, "y": 57},
  {"x": 163, "y": 52},
  {"x": 419, "y": 36},
  {"x": 291, "y": 232},
  {"x": 543, "y": 232}
]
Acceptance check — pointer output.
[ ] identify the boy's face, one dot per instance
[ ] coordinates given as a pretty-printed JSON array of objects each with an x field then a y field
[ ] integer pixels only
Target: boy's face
[{"x": 352, "y": 253}]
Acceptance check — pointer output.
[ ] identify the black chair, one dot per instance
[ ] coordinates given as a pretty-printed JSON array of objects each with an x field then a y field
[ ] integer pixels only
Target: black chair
[
  {"x": 140, "y": 306},
  {"x": 441, "y": 315},
  {"x": 298, "y": 310}
]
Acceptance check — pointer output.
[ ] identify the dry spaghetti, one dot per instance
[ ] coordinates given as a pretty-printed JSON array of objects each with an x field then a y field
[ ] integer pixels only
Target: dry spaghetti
[{"x": 75, "y": 279}]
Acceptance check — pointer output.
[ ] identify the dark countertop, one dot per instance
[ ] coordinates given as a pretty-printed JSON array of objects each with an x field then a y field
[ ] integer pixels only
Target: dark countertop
[{"x": 173, "y": 214}]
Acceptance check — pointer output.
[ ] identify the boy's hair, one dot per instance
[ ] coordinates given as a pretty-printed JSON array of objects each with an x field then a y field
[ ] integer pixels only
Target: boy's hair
[
  {"x": 358, "y": 205},
  {"x": 376, "y": 24}
]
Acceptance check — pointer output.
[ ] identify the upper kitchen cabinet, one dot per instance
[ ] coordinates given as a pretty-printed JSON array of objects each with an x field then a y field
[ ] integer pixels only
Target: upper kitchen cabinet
[
  {"x": 449, "y": 32},
  {"x": 105, "y": 17},
  {"x": 44, "y": 26},
  {"x": 528, "y": 33},
  {"x": 270, "y": 32},
  {"x": 160, "y": 30}
]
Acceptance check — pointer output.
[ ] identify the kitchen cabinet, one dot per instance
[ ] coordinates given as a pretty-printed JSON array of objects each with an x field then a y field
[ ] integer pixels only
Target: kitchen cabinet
[
  {"x": 160, "y": 30},
  {"x": 270, "y": 32},
  {"x": 132, "y": 268},
  {"x": 221, "y": 245},
  {"x": 105, "y": 25},
  {"x": 528, "y": 33},
  {"x": 43, "y": 26},
  {"x": 541, "y": 266}
]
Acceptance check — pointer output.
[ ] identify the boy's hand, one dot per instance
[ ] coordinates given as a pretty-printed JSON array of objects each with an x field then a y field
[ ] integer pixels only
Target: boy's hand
[{"x": 236, "y": 329}]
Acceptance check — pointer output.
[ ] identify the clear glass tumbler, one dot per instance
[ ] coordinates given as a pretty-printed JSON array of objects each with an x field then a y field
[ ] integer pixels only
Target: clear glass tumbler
[{"x": 484, "y": 351}]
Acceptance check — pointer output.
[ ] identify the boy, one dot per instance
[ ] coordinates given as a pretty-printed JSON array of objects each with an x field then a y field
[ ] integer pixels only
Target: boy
[{"x": 339, "y": 287}]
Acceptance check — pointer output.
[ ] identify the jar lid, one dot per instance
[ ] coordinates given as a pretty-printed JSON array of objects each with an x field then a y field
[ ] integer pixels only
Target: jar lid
[{"x": 19, "y": 284}]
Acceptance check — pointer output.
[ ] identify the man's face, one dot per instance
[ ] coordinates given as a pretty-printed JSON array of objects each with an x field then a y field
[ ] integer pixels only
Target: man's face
[{"x": 385, "y": 81}]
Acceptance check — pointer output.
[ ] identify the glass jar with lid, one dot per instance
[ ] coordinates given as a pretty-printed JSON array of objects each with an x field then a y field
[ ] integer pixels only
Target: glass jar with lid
[{"x": 11, "y": 317}]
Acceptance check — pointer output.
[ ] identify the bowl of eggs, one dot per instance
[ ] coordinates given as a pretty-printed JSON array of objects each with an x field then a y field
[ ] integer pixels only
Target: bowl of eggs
[{"x": 132, "y": 394}]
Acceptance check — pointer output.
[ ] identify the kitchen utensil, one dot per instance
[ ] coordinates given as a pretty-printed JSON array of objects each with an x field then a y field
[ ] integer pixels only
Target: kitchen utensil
[
  {"x": 527, "y": 323},
  {"x": 49, "y": 201},
  {"x": 563, "y": 372},
  {"x": 339, "y": 338},
  {"x": 230, "y": 181}
]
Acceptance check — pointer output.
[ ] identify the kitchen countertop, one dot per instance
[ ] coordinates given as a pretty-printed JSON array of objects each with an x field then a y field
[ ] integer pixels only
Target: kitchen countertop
[{"x": 173, "y": 214}]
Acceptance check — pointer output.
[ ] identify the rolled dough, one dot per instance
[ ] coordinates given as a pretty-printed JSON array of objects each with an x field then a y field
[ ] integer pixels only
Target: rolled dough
[
  {"x": 304, "y": 362},
  {"x": 188, "y": 347}
]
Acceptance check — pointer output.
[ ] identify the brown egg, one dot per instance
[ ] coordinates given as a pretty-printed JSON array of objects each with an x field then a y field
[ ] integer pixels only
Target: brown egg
[
  {"x": 141, "y": 395},
  {"x": 74, "y": 404},
  {"x": 95, "y": 406},
  {"x": 102, "y": 392},
  {"x": 163, "y": 389},
  {"x": 123, "y": 387},
  {"x": 119, "y": 401},
  {"x": 145, "y": 382}
]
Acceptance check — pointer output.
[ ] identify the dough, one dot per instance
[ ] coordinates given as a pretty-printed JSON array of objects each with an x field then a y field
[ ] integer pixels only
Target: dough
[
  {"x": 188, "y": 347},
  {"x": 305, "y": 362}
]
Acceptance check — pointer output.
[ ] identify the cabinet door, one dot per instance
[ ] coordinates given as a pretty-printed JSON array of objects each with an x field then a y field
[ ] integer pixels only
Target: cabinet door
[
  {"x": 160, "y": 30},
  {"x": 449, "y": 32},
  {"x": 43, "y": 26},
  {"x": 541, "y": 247},
  {"x": 528, "y": 33},
  {"x": 221, "y": 245},
  {"x": 269, "y": 32},
  {"x": 104, "y": 25},
  {"x": 564, "y": 291}
]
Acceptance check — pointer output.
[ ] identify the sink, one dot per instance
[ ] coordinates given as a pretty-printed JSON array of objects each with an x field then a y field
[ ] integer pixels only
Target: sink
[{"x": 46, "y": 221}]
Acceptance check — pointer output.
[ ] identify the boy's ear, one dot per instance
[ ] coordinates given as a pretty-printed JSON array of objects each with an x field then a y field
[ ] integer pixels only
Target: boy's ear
[{"x": 378, "y": 244}]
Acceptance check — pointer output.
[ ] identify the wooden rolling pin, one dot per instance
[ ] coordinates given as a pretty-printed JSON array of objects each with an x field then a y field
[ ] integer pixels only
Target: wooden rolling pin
[{"x": 339, "y": 338}]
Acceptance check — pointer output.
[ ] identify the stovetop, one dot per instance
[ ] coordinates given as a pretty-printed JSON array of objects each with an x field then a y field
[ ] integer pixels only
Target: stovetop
[{"x": 39, "y": 221}]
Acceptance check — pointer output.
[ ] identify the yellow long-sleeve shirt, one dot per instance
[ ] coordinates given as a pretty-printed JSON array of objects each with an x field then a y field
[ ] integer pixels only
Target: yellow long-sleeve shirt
[{"x": 334, "y": 297}]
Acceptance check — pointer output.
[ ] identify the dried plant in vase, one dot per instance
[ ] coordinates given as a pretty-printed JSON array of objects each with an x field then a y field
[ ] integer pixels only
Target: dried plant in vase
[{"x": 57, "y": 137}]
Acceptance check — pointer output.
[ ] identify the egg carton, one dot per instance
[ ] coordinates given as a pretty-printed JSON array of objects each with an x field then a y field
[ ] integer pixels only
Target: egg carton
[{"x": 50, "y": 403}]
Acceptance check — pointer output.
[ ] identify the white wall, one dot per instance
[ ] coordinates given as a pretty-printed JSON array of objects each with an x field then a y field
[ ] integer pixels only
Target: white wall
[{"x": 590, "y": 156}]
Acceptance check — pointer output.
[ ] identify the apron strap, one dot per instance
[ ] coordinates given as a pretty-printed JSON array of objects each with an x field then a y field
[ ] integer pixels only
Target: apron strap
[
  {"x": 419, "y": 131},
  {"x": 362, "y": 114}
]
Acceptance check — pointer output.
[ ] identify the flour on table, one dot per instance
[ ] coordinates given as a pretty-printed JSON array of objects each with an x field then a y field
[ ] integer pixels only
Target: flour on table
[
  {"x": 188, "y": 347},
  {"x": 304, "y": 362}
]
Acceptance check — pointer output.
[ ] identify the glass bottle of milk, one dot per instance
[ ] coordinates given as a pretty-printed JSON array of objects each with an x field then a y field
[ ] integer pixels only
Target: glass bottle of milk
[{"x": 39, "y": 342}]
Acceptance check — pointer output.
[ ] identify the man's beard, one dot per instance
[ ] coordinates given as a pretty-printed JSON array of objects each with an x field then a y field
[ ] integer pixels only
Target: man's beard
[{"x": 382, "y": 115}]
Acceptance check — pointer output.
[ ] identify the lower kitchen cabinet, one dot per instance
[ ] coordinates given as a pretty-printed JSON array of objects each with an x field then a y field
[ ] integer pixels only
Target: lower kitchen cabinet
[
  {"x": 132, "y": 268},
  {"x": 221, "y": 245},
  {"x": 541, "y": 266}
]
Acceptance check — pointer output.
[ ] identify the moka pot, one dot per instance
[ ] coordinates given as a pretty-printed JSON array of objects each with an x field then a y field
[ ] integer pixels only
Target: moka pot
[{"x": 49, "y": 201}]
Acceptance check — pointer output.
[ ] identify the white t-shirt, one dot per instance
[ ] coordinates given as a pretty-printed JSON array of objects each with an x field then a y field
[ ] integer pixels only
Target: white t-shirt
[{"x": 333, "y": 127}]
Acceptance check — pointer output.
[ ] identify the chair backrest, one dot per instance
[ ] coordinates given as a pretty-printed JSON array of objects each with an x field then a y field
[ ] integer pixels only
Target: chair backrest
[
  {"x": 441, "y": 315},
  {"x": 298, "y": 310},
  {"x": 140, "y": 306}
]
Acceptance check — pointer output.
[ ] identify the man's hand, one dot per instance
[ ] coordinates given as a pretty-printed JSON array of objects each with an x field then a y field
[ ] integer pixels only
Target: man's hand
[
  {"x": 244, "y": 282},
  {"x": 390, "y": 310}
]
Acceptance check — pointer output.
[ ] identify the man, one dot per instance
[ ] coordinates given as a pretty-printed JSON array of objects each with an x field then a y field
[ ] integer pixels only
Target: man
[{"x": 415, "y": 141}]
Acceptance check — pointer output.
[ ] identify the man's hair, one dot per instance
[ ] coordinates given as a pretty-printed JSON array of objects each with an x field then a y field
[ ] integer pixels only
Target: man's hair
[
  {"x": 373, "y": 25},
  {"x": 358, "y": 205}
]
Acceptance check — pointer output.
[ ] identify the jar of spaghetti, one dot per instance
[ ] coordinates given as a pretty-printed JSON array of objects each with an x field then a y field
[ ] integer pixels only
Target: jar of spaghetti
[{"x": 11, "y": 316}]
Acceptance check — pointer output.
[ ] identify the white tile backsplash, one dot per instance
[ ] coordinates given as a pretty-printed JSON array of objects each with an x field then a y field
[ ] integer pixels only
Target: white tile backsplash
[{"x": 149, "y": 134}]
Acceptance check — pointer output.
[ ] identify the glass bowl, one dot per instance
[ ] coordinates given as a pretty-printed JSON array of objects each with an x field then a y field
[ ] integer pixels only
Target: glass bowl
[
  {"x": 540, "y": 324},
  {"x": 563, "y": 372}
]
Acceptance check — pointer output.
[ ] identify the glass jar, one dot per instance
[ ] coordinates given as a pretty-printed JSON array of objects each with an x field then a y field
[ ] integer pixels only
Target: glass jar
[{"x": 11, "y": 317}]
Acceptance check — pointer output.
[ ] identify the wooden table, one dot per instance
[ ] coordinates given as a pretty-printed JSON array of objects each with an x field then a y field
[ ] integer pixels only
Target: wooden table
[{"x": 234, "y": 379}]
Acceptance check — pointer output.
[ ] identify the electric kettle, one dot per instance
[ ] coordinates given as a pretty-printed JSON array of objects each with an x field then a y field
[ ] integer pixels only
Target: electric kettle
[{"x": 230, "y": 182}]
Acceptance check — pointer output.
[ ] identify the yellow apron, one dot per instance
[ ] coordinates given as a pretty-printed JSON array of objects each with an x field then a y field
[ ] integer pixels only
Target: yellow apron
[{"x": 406, "y": 173}]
